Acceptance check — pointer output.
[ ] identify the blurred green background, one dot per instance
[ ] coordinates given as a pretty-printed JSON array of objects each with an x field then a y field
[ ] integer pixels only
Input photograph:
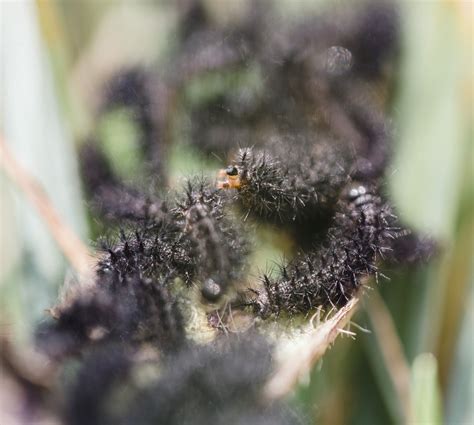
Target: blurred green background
[{"x": 56, "y": 54}]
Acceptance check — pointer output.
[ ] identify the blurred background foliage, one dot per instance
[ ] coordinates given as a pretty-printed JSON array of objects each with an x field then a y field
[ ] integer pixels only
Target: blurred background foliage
[{"x": 55, "y": 57}]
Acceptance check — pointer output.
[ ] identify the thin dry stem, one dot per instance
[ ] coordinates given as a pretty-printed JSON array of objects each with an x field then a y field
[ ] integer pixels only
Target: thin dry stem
[
  {"x": 299, "y": 360},
  {"x": 75, "y": 251},
  {"x": 392, "y": 351}
]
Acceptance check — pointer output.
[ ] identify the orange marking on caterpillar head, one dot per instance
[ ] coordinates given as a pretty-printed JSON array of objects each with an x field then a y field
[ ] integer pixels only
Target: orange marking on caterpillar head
[{"x": 229, "y": 178}]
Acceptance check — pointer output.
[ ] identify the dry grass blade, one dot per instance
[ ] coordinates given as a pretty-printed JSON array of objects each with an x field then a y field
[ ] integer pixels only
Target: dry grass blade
[
  {"x": 75, "y": 251},
  {"x": 299, "y": 360},
  {"x": 391, "y": 350}
]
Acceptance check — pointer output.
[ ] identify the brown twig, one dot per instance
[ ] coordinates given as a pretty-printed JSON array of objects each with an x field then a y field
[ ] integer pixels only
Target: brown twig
[
  {"x": 72, "y": 247},
  {"x": 392, "y": 351},
  {"x": 307, "y": 351}
]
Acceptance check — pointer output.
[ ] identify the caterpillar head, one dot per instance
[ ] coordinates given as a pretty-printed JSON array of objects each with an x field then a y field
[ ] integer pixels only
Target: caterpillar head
[{"x": 229, "y": 178}]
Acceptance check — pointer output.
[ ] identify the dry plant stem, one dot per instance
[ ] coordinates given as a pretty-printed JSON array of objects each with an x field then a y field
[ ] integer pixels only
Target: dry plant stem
[
  {"x": 27, "y": 363},
  {"x": 309, "y": 349},
  {"x": 75, "y": 251},
  {"x": 392, "y": 351}
]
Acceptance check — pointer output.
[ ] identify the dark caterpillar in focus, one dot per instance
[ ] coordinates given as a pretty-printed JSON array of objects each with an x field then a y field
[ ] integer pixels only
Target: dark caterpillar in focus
[
  {"x": 219, "y": 245},
  {"x": 291, "y": 180},
  {"x": 363, "y": 232},
  {"x": 192, "y": 237}
]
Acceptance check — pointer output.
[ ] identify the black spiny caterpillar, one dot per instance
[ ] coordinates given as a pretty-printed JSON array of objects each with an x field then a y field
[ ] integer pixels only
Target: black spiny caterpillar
[
  {"x": 154, "y": 250},
  {"x": 362, "y": 232},
  {"x": 292, "y": 179},
  {"x": 192, "y": 238},
  {"x": 218, "y": 244}
]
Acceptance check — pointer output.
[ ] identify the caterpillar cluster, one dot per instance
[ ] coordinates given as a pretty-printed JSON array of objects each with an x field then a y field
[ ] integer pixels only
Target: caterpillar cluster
[
  {"x": 318, "y": 145},
  {"x": 327, "y": 132}
]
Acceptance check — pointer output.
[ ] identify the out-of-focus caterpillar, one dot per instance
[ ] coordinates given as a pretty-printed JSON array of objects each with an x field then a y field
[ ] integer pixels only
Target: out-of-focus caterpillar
[
  {"x": 129, "y": 311},
  {"x": 110, "y": 197},
  {"x": 219, "y": 383},
  {"x": 145, "y": 96}
]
